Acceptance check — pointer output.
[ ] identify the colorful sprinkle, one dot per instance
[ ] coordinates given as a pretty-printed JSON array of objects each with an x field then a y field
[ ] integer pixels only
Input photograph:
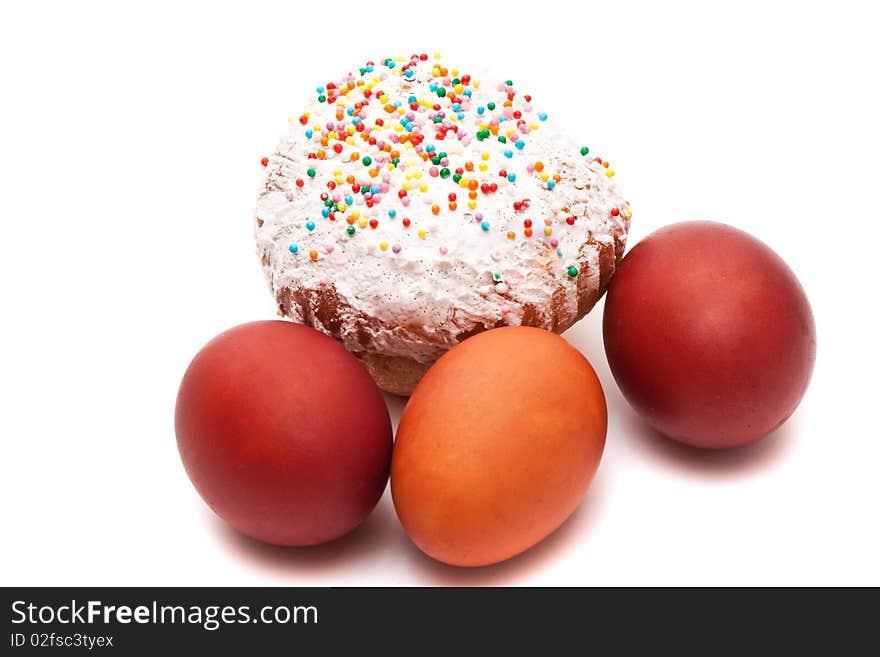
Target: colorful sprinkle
[{"x": 381, "y": 143}]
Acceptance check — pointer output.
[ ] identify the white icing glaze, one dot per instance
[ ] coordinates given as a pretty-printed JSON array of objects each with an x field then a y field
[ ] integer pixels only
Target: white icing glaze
[{"x": 446, "y": 282}]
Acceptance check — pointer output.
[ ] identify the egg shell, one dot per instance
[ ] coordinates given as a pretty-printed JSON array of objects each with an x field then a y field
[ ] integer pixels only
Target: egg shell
[
  {"x": 497, "y": 445},
  {"x": 283, "y": 433},
  {"x": 709, "y": 334}
]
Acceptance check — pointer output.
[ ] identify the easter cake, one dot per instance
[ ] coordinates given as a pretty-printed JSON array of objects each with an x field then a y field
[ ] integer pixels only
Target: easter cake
[{"x": 412, "y": 205}]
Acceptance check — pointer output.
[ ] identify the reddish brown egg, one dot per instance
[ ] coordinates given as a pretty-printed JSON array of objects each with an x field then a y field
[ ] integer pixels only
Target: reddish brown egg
[
  {"x": 283, "y": 433},
  {"x": 709, "y": 334}
]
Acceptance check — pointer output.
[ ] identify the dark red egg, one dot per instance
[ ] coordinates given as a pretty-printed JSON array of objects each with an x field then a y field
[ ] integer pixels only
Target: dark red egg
[
  {"x": 709, "y": 334},
  {"x": 283, "y": 433}
]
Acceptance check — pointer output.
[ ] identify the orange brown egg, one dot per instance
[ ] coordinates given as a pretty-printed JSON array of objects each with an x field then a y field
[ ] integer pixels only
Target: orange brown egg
[{"x": 497, "y": 445}]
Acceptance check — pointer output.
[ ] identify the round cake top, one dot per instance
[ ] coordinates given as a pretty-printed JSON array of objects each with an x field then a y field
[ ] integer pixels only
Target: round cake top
[{"x": 433, "y": 202}]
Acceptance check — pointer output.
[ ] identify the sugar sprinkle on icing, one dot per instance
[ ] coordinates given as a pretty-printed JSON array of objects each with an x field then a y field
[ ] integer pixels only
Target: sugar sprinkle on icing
[{"x": 408, "y": 186}]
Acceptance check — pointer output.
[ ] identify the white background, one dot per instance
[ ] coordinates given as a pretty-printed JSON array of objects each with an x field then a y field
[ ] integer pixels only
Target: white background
[{"x": 130, "y": 150}]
